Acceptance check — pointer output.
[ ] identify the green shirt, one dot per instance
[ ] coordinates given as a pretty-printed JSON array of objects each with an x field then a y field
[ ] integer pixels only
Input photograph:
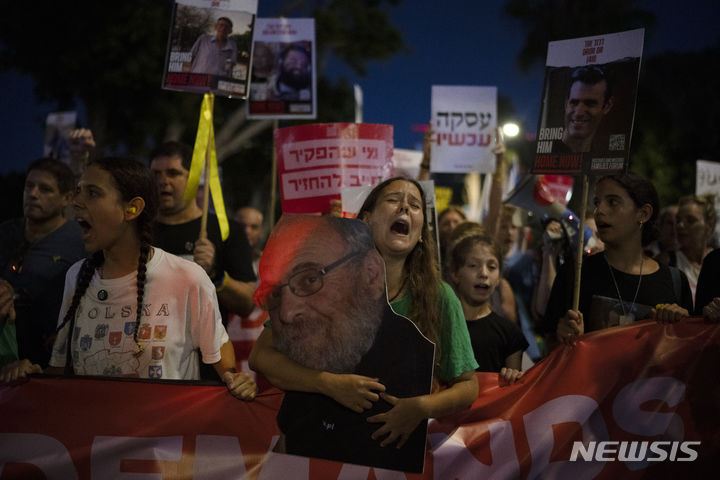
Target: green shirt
[{"x": 457, "y": 353}]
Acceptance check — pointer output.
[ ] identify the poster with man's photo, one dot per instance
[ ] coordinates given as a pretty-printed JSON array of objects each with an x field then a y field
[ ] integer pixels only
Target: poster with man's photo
[
  {"x": 588, "y": 104},
  {"x": 283, "y": 80},
  {"x": 58, "y": 126},
  {"x": 209, "y": 47}
]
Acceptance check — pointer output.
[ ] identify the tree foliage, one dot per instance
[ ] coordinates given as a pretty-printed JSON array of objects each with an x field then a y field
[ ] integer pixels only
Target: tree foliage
[
  {"x": 548, "y": 20},
  {"x": 677, "y": 112},
  {"x": 109, "y": 56}
]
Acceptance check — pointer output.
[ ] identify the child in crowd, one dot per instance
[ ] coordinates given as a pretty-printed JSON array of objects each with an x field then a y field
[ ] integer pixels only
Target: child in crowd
[
  {"x": 475, "y": 273},
  {"x": 621, "y": 284}
]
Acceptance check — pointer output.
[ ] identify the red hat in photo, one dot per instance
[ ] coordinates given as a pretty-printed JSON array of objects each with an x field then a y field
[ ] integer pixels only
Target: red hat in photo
[{"x": 289, "y": 234}]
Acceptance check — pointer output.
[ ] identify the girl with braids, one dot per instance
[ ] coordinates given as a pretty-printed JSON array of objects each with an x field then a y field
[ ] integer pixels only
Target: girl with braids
[
  {"x": 134, "y": 310},
  {"x": 394, "y": 211}
]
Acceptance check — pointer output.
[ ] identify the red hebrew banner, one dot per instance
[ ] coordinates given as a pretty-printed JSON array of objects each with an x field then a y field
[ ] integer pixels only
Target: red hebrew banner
[
  {"x": 629, "y": 402},
  {"x": 315, "y": 161}
]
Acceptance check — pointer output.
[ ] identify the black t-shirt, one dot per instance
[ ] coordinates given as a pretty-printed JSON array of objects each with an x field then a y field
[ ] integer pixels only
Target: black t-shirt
[
  {"x": 493, "y": 339},
  {"x": 233, "y": 255},
  {"x": 39, "y": 284},
  {"x": 708, "y": 286},
  {"x": 597, "y": 281},
  {"x": 317, "y": 426}
]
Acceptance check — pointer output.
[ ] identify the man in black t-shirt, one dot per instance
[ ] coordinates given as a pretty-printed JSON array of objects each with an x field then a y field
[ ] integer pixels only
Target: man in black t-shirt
[{"x": 229, "y": 262}]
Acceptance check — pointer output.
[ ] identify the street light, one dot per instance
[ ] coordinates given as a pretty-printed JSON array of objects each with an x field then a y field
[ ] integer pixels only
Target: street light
[{"x": 511, "y": 129}]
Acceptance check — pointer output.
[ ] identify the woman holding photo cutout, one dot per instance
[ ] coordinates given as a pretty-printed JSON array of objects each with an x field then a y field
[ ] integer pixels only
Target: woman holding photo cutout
[
  {"x": 621, "y": 284},
  {"x": 394, "y": 211}
]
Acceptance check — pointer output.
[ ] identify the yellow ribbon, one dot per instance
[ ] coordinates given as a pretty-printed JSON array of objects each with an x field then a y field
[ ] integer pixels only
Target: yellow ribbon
[{"x": 205, "y": 146}]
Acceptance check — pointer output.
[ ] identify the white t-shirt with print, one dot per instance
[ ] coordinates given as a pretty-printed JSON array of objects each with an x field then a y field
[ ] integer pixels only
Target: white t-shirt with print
[{"x": 180, "y": 315}]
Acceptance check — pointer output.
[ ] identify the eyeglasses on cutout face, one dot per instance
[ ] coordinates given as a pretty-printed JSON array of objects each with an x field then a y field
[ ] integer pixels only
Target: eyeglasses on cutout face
[{"x": 304, "y": 283}]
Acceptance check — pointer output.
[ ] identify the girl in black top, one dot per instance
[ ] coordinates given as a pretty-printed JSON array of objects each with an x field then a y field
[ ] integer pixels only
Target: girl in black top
[
  {"x": 621, "y": 284},
  {"x": 498, "y": 344}
]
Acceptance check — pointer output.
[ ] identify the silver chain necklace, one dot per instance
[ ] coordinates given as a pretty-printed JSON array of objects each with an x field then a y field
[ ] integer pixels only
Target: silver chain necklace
[{"x": 627, "y": 317}]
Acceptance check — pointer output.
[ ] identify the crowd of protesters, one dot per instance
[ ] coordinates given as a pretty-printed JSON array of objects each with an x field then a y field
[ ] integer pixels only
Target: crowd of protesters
[{"x": 498, "y": 300}]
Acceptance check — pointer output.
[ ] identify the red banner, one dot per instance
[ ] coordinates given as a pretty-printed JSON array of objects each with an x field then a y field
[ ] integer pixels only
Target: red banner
[{"x": 630, "y": 402}]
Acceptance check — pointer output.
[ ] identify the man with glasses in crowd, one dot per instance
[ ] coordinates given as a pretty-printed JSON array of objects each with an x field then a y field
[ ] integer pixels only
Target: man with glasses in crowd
[
  {"x": 323, "y": 283},
  {"x": 590, "y": 98},
  {"x": 35, "y": 253}
]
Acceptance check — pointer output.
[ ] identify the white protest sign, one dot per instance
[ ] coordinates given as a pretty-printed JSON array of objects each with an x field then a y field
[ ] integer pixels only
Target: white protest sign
[
  {"x": 707, "y": 181},
  {"x": 463, "y": 120}
]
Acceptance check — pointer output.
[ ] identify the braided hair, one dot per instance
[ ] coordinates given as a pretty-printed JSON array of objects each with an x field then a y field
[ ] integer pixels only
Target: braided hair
[{"x": 131, "y": 179}]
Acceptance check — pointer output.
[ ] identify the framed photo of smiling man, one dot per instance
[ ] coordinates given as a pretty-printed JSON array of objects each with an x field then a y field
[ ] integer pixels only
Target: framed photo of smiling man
[{"x": 588, "y": 104}]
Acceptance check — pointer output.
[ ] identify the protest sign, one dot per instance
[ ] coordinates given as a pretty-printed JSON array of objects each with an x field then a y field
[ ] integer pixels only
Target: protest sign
[
  {"x": 283, "y": 79},
  {"x": 315, "y": 161},
  {"x": 209, "y": 47},
  {"x": 630, "y": 402},
  {"x": 588, "y": 104},
  {"x": 560, "y": 187},
  {"x": 707, "y": 181},
  {"x": 58, "y": 126},
  {"x": 463, "y": 121},
  {"x": 406, "y": 163}
]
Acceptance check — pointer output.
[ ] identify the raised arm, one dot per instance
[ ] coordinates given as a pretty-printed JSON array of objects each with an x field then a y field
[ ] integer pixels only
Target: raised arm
[{"x": 496, "y": 188}]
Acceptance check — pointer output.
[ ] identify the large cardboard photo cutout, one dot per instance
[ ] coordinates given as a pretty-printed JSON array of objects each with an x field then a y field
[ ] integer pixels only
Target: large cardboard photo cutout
[{"x": 323, "y": 283}]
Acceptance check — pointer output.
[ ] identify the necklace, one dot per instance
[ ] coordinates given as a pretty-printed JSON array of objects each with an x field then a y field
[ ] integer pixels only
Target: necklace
[
  {"x": 102, "y": 294},
  {"x": 399, "y": 291},
  {"x": 627, "y": 316}
]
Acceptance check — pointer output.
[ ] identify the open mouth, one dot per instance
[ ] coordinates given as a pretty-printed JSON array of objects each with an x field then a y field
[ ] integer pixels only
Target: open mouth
[
  {"x": 601, "y": 225},
  {"x": 400, "y": 227},
  {"x": 482, "y": 287},
  {"x": 84, "y": 224}
]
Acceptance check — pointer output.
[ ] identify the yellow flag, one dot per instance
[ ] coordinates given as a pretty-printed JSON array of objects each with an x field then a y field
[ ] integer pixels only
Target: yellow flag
[{"x": 205, "y": 146}]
